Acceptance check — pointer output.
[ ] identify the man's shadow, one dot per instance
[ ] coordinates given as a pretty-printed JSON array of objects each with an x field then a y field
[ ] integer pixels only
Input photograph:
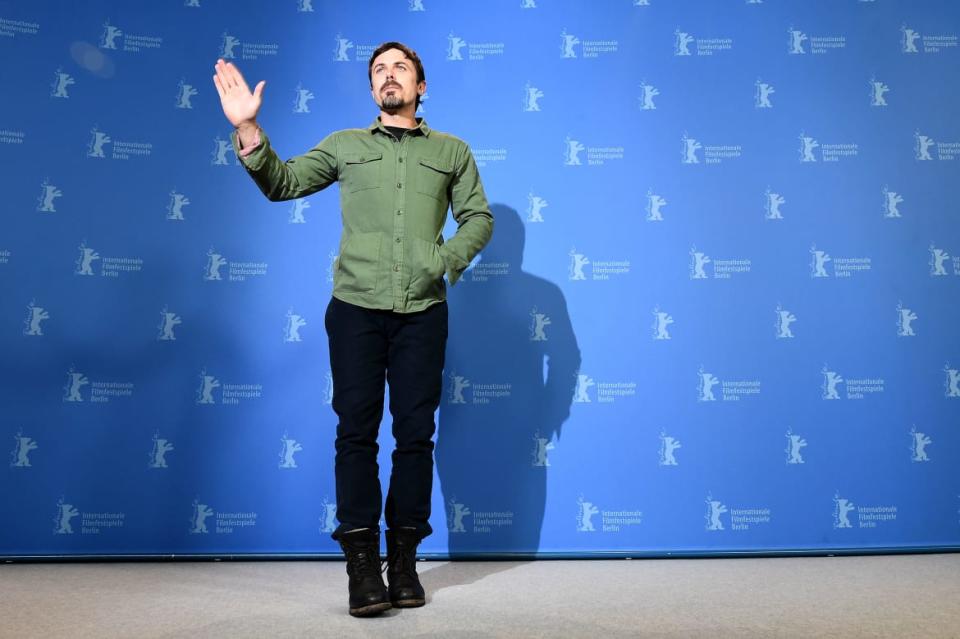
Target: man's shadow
[{"x": 509, "y": 377}]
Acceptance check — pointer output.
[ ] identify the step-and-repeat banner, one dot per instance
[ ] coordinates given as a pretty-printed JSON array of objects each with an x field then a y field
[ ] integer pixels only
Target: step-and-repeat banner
[{"x": 718, "y": 314}]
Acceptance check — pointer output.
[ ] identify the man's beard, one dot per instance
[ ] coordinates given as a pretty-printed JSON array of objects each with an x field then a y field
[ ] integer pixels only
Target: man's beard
[{"x": 393, "y": 101}]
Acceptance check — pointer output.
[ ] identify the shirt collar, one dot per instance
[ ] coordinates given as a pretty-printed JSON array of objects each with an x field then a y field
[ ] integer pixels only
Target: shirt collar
[{"x": 421, "y": 127}]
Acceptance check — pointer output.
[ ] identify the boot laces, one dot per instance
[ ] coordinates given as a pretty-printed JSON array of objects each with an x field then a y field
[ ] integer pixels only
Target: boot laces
[
  {"x": 362, "y": 562},
  {"x": 404, "y": 560}
]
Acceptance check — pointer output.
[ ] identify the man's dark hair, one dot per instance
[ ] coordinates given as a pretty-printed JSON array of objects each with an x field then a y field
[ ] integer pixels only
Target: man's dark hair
[{"x": 407, "y": 52}]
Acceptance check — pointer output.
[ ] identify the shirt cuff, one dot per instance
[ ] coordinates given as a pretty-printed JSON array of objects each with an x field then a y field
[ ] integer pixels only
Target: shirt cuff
[
  {"x": 244, "y": 152},
  {"x": 454, "y": 265}
]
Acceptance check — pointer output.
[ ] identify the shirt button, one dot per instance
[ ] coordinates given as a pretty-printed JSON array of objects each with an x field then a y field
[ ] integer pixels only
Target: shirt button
[
  {"x": 398, "y": 240},
  {"x": 399, "y": 184},
  {"x": 401, "y": 160},
  {"x": 396, "y": 267}
]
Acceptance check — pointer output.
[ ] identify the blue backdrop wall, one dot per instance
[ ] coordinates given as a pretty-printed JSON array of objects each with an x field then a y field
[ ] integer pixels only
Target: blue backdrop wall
[{"x": 718, "y": 313}]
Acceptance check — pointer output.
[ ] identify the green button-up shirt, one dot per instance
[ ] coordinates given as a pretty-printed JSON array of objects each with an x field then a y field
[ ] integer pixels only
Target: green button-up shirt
[{"x": 394, "y": 197}]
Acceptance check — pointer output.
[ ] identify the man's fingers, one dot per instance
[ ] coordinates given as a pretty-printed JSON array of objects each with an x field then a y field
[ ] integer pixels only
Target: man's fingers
[
  {"x": 236, "y": 76},
  {"x": 258, "y": 90},
  {"x": 222, "y": 74},
  {"x": 216, "y": 81}
]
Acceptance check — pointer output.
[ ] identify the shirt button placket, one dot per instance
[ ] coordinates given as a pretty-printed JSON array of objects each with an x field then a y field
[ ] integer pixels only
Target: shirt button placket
[{"x": 398, "y": 229}]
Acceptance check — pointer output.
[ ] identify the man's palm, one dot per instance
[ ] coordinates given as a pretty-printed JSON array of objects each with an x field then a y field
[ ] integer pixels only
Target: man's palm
[{"x": 240, "y": 105}]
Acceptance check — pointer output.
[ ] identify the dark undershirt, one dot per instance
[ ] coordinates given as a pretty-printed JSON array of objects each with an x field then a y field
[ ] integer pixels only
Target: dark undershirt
[{"x": 396, "y": 131}]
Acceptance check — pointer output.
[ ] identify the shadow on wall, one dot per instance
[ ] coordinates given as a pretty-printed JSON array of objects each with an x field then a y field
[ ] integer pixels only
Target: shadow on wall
[{"x": 509, "y": 378}]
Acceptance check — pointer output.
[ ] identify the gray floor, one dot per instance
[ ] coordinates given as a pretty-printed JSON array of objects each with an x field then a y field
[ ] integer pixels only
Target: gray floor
[{"x": 866, "y": 596}]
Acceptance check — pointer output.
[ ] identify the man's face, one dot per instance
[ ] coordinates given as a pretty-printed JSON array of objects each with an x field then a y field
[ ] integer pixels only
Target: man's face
[{"x": 394, "y": 81}]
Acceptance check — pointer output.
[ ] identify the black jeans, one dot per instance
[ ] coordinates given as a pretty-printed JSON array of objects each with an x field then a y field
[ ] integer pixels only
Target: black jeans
[{"x": 410, "y": 348}]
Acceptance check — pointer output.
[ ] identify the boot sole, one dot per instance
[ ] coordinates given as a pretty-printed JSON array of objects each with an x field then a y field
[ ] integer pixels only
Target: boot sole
[
  {"x": 408, "y": 603},
  {"x": 372, "y": 609}
]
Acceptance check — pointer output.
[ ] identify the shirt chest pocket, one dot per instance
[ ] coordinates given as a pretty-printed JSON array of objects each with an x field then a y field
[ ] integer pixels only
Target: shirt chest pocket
[
  {"x": 362, "y": 171},
  {"x": 433, "y": 177}
]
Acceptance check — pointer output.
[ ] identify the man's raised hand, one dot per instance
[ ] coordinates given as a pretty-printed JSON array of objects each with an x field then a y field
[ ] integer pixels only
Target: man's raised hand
[{"x": 239, "y": 104}]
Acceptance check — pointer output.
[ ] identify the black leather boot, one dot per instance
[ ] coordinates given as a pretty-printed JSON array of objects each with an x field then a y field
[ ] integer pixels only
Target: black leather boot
[
  {"x": 368, "y": 595},
  {"x": 405, "y": 589}
]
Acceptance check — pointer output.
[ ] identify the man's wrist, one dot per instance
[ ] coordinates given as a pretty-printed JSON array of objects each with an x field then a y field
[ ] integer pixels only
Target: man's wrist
[
  {"x": 247, "y": 127},
  {"x": 248, "y": 134}
]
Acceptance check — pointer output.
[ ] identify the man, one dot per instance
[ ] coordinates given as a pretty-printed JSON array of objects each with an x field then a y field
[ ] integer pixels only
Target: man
[{"x": 388, "y": 313}]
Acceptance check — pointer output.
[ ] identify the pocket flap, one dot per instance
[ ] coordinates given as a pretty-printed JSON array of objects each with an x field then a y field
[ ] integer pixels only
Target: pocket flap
[
  {"x": 360, "y": 158},
  {"x": 444, "y": 166}
]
